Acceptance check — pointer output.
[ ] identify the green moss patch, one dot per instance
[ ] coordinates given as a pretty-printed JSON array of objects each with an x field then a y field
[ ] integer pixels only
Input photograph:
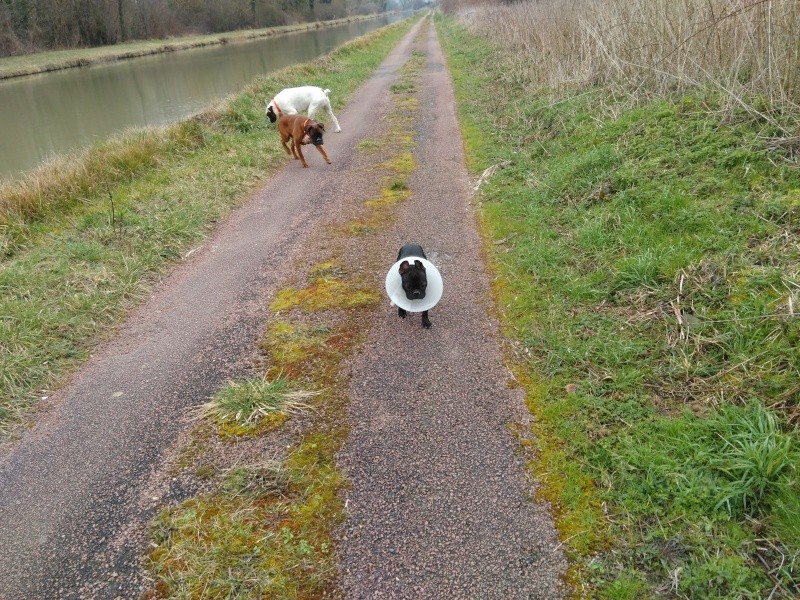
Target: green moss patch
[
  {"x": 257, "y": 537},
  {"x": 325, "y": 294}
]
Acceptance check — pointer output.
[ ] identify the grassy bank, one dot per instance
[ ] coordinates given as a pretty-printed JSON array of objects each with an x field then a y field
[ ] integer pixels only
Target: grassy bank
[
  {"x": 646, "y": 250},
  {"x": 41, "y": 62},
  {"x": 82, "y": 241}
]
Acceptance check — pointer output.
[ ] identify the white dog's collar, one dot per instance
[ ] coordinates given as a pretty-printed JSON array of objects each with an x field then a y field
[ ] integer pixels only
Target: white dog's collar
[{"x": 433, "y": 293}]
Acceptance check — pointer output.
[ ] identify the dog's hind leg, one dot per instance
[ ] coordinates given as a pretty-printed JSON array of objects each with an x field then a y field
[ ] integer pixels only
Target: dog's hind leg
[
  {"x": 285, "y": 147},
  {"x": 334, "y": 120},
  {"x": 325, "y": 105},
  {"x": 299, "y": 154}
]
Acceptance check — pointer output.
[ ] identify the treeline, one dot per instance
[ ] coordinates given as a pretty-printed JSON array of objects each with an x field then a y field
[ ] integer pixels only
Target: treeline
[{"x": 33, "y": 25}]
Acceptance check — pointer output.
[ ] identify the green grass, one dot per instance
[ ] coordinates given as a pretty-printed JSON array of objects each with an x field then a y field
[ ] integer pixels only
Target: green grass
[
  {"x": 82, "y": 242},
  {"x": 647, "y": 262}
]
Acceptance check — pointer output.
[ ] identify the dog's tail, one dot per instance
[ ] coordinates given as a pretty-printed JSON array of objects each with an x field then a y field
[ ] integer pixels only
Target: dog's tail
[{"x": 326, "y": 91}]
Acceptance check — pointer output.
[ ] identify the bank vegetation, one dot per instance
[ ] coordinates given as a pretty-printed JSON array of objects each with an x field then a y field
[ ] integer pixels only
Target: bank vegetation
[
  {"x": 637, "y": 176},
  {"x": 28, "y": 26}
]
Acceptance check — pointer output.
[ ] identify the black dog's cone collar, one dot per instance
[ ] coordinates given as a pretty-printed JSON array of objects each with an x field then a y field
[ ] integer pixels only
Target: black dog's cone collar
[{"x": 394, "y": 286}]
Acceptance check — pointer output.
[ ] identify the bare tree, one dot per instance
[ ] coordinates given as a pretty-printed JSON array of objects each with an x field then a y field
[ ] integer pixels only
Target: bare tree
[
  {"x": 121, "y": 15},
  {"x": 31, "y": 25}
]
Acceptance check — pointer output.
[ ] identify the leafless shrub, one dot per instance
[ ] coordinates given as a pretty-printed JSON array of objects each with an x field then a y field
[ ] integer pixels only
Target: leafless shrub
[
  {"x": 747, "y": 49},
  {"x": 9, "y": 41}
]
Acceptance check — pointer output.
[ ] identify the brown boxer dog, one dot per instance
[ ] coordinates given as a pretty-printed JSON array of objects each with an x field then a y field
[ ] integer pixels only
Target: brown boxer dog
[{"x": 301, "y": 130}]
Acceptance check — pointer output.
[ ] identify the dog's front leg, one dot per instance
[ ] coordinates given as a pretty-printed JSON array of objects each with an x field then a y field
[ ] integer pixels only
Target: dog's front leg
[
  {"x": 401, "y": 313},
  {"x": 426, "y": 322},
  {"x": 324, "y": 154},
  {"x": 294, "y": 149}
]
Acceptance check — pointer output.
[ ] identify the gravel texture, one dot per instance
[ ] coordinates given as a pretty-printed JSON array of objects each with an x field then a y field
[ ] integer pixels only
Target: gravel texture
[{"x": 439, "y": 507}]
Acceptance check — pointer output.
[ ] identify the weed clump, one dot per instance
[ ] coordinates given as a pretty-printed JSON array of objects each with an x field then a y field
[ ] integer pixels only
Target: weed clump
[{"x": 248, "y": 402}]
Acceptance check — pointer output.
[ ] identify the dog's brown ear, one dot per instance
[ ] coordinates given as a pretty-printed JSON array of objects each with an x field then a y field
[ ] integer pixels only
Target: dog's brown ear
[
  {"x": 419, "y": 265},
  {"x": 404, "y": 267},
  {"x": 321, "y": 126}
]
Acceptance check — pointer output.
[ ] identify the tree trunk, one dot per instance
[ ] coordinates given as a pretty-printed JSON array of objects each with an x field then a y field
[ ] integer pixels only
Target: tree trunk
[{"x": 121, "y": 13}]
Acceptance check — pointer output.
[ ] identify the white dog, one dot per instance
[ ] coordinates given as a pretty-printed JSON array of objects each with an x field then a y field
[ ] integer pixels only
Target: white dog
[{"x": 292, "y": 101}]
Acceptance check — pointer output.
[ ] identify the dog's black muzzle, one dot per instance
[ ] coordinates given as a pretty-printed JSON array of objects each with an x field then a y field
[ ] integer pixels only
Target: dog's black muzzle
[{"x": 317, "y": 140}]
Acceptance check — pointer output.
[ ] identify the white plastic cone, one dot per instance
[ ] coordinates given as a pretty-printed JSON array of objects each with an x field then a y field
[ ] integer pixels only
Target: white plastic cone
[{"x": 433, "y": 293}]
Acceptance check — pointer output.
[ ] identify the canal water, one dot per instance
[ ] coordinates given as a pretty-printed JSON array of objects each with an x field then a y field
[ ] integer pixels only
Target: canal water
[{"x": 48, "y": 114}]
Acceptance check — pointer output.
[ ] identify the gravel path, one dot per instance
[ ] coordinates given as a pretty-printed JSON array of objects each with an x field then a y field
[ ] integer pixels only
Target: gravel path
[{"x": 439, "y": 506}]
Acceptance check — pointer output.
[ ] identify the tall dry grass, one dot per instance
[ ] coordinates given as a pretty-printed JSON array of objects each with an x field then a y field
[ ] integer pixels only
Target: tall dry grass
[
  {"x": 747, "y": 49},
  {"x": 72, "y": 178}
]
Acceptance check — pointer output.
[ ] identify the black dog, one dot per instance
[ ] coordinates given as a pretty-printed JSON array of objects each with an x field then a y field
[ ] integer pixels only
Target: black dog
[{"x": 414, "y": 278}]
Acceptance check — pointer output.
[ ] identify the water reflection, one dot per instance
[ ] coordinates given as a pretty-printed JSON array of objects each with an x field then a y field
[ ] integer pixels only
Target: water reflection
[{"x": 52, "y": 113}]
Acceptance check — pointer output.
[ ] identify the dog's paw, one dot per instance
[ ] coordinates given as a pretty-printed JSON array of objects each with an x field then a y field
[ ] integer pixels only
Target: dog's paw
[
  {"x": 401, "y": 313},
  {"x": 426, "y": 322}
]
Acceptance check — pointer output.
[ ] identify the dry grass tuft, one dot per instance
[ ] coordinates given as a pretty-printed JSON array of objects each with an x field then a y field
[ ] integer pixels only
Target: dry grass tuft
[
  {"x": 72, "y": 179},
  {"x": 247, "y": 402}
]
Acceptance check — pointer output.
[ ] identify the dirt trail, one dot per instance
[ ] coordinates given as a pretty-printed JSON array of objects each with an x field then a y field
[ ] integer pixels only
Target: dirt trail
[{"x": 439, "y": 506}]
